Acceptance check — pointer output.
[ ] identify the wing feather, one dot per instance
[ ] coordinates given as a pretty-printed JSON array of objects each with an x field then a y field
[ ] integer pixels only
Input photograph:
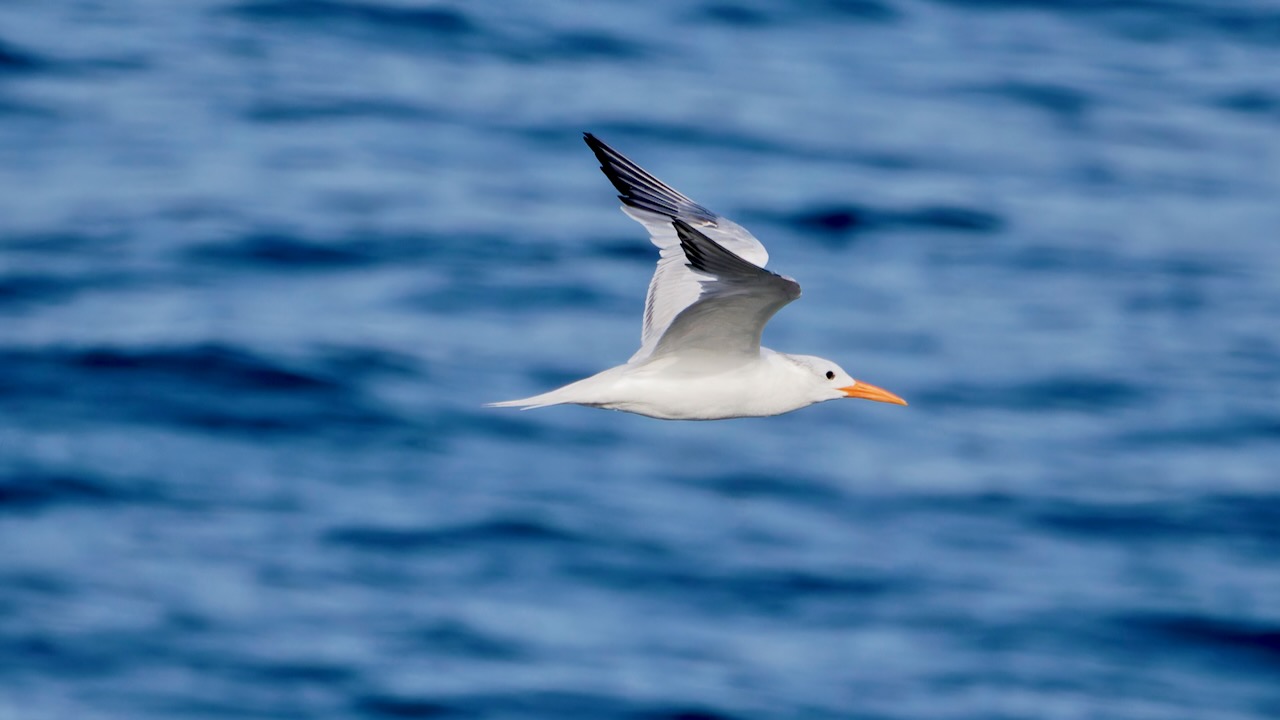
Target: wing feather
[
  {"x": 736, "y": 301},
  {"x": 654, "y": 204}
]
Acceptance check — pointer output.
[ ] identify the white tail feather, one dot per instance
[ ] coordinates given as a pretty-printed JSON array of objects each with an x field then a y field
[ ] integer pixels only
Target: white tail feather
[
  {"x": 529, "y": 403},
  {"x": 581, "y": 392}
]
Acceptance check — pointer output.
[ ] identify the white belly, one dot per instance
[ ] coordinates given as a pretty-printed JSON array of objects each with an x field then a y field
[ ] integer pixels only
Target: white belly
[{"x": 700, "y": 391}]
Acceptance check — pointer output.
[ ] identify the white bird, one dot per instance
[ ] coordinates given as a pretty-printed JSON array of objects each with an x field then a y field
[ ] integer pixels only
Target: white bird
[{"x": 700, "y": 356}]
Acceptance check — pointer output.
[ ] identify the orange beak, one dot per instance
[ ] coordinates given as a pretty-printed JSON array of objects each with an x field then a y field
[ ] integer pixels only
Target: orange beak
[{"x": 867, "y": 391}]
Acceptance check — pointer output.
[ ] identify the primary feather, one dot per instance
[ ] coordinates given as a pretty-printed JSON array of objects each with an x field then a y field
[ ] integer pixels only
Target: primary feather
[{"x": 655, "y": 205}]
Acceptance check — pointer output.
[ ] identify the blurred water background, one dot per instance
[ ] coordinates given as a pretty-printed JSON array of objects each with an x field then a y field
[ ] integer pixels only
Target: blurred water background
[{"x": 262, "y": 261}]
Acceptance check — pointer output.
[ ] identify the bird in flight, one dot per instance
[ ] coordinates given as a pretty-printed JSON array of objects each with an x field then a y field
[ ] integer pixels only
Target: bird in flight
[{"x": 700, "y": 356}]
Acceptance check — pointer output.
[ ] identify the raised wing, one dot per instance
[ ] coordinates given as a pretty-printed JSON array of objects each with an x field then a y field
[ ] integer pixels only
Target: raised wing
[
  {"x": 735, "y": 302},
  {"x": 656, "y": 205}
]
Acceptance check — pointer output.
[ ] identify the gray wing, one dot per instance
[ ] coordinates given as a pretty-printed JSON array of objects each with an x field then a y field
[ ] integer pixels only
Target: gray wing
[
  {"x": 736, "y": 300},
  {"x": 656, "y": 205}
]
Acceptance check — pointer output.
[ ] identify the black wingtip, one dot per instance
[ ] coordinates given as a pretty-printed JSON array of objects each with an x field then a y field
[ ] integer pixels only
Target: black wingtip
[
  {"x": 607, "y": 156},
  {"x": 637, "y": 188},
  {"x": 689, "y": 238},
  {"x": 705, "y": 255}
]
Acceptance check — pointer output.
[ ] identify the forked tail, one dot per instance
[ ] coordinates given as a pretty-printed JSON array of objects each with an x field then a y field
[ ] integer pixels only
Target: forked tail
[
  {"x": 583, "y": 392},
  {"x": 529, "y": 403}
]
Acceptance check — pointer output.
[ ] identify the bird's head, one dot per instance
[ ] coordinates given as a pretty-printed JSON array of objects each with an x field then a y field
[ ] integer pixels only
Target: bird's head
[{"x": 830, "y": 382}]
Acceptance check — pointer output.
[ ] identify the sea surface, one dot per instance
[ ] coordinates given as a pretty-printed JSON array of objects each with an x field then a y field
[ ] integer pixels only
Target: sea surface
[{"x": 262, "y": 262}]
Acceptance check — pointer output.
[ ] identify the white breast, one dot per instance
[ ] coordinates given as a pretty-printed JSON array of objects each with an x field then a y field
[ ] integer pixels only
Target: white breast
[{"x": 703, "y": 388}]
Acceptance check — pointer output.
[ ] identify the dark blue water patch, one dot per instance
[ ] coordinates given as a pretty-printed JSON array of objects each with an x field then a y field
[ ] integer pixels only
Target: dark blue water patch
[
  {"x": 23, "y": 110},
  {"x": 689, "y": 135},
  {"x": 44, "y": 584},
  {"x": 1255, "y": 101},
  {"x": 629, "y": 249},
  {"x": 1152, "y": 524},
  {"x": 702, "y": 137},
  {"x": 1257, "y": 24},
  {"x": 388, "y": 26},
  {"x": 56, "y": 242},
  {"x": 263, "y": 422},
  {"x": 771, "y": 592},
  {"x": 217, "y": 388},
  {"x": 1185, "y": 267},
  {"x": 65, "y": 656},
  {"x": 25, "y": 490},
  {"x": 293, "y": 110},
  {"x": 216, "y": 661},
  {"x": 1086, "y": 394},
  {"x": 582, "y": 45},
  {"x": 1243, "y": 520},
  {"x": 464, "y": 294},
  {"x": 1224, "y": 432},
  {"x": 399, "y": 707},
  {"x": 534, "y": 704},
  {"x": 736, "y": 15},
  {"x": 987, "y": 502},
  {"x": 1062, "y": 102},
  {"x": 1173, "y": 270},
  {"x": 397, "y": 18},
  {"x": 1099, "y": 174},
  {"x": 866, "y": 10},
  {"x": 682, "y": 713},
  {"x": 832, "y": 221},
  {"x": 949, "y": 218},
  {"x": 1212, "y": 639},
  {"x": 763, "y": 485},
  {"x": 218, "y": 366},
  {"x": 18, "y": 61},
  {"x": 286, "y": 252},
  {"x": 439, "y": 29},
  {"x": 1256, "y": 357},
  {"x": 1255, "y": 518},
  {"x": 275, "y": 250},
  {"x": 366, "y": 362},
  {"x": 104, "y": 65},
  {"x": 460, "y": 639},
  {"x": 21, "y": 290},
  {"x": 838, "y": 224},
  {"x": 616, "y": 133},
  {"x": 523, "y": 532},
  {"x": 280, "y": 673},
  {"x": 298, "y": 673},
  {"x": 741, "y": 15},
  {"x": 1157, "y": 20},
  {"x": 1179, "y": 299}
]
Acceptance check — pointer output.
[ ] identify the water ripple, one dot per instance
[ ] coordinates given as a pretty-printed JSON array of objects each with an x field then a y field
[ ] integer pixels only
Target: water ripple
[
  {"x": 1086, "y": 394},
  {"x": 836, "y": 224},
  {"x": 375, "y": 16},
  {"x": 1216, "y": 639}
]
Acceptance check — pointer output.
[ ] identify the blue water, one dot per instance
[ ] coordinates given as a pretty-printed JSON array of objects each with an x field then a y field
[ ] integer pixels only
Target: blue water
[{"x": 263, "y": 261}]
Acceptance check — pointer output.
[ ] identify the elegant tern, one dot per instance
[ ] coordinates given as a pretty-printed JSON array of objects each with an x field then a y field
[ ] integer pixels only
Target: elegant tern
[{"x": 700, "y": 356}]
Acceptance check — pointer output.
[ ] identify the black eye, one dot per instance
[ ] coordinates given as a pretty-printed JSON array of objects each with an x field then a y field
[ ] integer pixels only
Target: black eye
[{"x": 831, "y": 375}]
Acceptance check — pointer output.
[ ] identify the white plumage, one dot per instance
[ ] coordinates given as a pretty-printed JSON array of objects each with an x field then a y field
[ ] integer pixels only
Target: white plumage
[{"x": 700, "y": 356}]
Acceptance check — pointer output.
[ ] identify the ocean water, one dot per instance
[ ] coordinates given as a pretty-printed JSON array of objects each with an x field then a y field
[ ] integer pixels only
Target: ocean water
[{"x": 263, "y": 261}]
